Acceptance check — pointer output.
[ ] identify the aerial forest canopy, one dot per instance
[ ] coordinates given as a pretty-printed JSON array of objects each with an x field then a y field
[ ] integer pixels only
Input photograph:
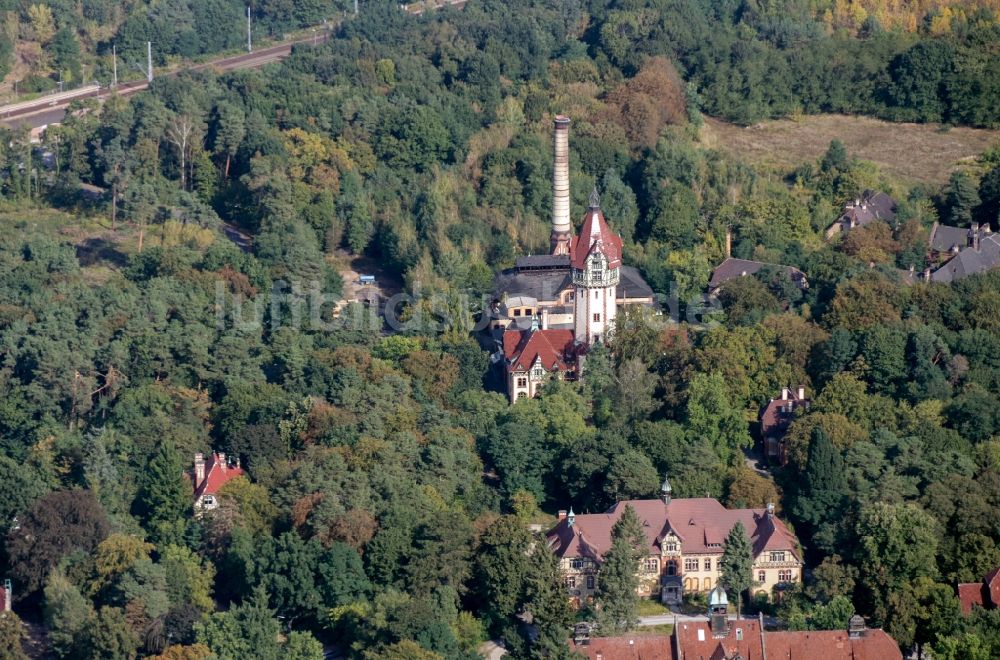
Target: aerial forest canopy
[{"x": 386, "y": 486}]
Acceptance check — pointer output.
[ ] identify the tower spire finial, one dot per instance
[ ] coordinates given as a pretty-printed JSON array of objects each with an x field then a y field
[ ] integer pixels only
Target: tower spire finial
[{"x": 595, "y": 199}]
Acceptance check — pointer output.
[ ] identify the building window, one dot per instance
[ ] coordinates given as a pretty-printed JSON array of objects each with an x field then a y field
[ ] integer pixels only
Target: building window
[
  {"x": 537, "y": 371},
  {"x": 571, "y": 582},
  {"x": 706, "y": 584},
  {"x": 671, "y": 567},
  {"x": 597, "y": 295},
  {"x": 597, "y": 338},
  {"x": 671, "y": 547},
  {"x": 517, "y": 312},
  {"x": 570, "y": 296},
  {"x": 590, "y": 582},
  {"x": 522, "y": 381},
  {"x": 651, "y": 565},
  {"x": 690, "y": 564},
  {"x": 761, "y": 576},
  {"x": 576, "y": 563},
  {"x": 597, "y": 318},
  {"x": 708, "y": 564},
  {"x": 521, "y": 395},
  {"x": 777, "y": 556},
  {"x": 784, "y": 576}
]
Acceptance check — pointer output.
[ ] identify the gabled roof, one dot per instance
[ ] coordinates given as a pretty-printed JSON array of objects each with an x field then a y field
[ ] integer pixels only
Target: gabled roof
[
  {"x": 552, "y": 347},
  {"x": 595, "y": 237},
  {"x": 695, "y": 640},
  {"x": 217, "y": 475},
  {"x": 872, "y": 644},
  {"x": 630, "y": 647},
  {"x": 774, "y": 420},
  {"x": 702, "y": 525},
  {"x": 732, "y": 268},
  {"x": 970, "y": 261},
  {"x": 986, "y": 594}
]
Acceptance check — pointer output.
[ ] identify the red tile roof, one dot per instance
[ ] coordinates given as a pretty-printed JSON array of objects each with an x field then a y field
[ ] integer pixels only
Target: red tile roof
[
  {"x": 696, "y": 642},
  {"x": 702, "y": 524},
  {"x": 595, "y": 236},
  {"x": 217, "y": 474},
  {"x": 986, "y": 594},
  {"x": 969, "y": 594},
  {"x": 634, "y": 647},
  {"x": 873, "y": 644},
  {"x": 522, "y": 347}
]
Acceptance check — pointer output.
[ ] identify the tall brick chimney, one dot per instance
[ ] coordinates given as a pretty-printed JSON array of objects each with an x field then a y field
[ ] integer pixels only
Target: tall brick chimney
[{"x": 562, "y": 228}]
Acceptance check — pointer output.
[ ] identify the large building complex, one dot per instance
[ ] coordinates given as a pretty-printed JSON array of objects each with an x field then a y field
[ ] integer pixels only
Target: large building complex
[{"x": 685, "y": 540}]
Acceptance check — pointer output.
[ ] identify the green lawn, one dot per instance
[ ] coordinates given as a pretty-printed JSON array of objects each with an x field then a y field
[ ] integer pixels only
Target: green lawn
[{"x": 648, "y": 607}]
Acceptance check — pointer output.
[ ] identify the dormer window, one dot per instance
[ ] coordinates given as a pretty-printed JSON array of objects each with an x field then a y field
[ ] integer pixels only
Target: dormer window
[{"x": 537, "y": 371}]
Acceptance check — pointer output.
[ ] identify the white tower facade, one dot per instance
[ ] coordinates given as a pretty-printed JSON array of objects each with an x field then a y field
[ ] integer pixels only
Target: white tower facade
[{"x": 596, "y": 265}]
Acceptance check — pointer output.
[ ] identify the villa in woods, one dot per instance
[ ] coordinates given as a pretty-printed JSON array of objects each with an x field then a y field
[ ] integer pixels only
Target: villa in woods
[
  {"x": 549, "y": 309},
  {"x": 685, "y": 539}
]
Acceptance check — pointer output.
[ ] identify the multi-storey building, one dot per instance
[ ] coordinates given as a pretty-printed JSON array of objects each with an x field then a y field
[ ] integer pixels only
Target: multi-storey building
[
  {"x": 549, "y": 309},
  {"x": 685, "y": 541}
]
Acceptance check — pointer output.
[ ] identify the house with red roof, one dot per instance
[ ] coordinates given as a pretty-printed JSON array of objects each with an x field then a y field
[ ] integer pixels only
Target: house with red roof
[
  {"x": 685, "y": 539},
  {"x": 985, "y": 594},
  {"x": 775, "y": 419},
  {"x": 210, "y": 476}
]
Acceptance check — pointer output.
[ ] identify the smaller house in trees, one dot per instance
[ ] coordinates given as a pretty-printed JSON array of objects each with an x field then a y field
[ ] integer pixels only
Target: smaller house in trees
[
  {"x": 685, "y": 539},
  {"x": 985, "y": 594},
  {"x": 775, "y": 418},
  {"x": 210, "y": 476},
  {"x": 964, "y": 252},
  {"x": 870, "y": 207}
]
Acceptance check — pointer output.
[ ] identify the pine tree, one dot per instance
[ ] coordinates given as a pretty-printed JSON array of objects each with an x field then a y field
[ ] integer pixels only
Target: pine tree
[
  {"x": 961, "y": 198},
  {"x": 824, "y": 490},
  {"x": 165, "y": 496},
  {"x": 618, "y": 578},
  {"x": 736, "y": 571},
  {"x": 545, "y": 600}
]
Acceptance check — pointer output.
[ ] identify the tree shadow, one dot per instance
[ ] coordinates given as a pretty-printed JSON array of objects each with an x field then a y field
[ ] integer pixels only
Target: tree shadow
[{"x": 97, "y": 250}]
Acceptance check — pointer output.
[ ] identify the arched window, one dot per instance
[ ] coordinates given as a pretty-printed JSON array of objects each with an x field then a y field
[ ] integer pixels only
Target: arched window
[
  {"x": 671, "y": 567},
  {"x": 706, "y": 584},
  {"x": 688, "y": 586}
]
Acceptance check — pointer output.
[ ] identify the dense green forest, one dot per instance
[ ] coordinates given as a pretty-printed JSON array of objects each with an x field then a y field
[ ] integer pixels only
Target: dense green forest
[{"x": 389, "y": 484}]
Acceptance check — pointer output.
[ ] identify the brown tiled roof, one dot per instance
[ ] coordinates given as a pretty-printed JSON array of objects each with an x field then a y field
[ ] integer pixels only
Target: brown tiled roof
[
  {"x": 969, "y": 594},
  {"x": 596, "y": 236},
  {"x": 732, "y": 268},
  {"x": 873, "y": 644},
  {"x": 696, "y": 642},
  {"x": 702, "y": 524},
  {"x": 552, "y": 346},
  {"x": 634, "y": 647},
  {"x": 773, "y": 421},
  {"x": 986, "y": 594}
]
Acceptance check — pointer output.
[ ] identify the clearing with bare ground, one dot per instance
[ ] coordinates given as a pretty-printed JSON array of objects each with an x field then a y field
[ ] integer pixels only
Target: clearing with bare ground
[{"x": 916, "y": 153}]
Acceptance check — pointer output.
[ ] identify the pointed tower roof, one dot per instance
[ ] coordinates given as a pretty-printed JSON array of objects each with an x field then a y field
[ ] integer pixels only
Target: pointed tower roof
[{"x": 596, "y": 236}]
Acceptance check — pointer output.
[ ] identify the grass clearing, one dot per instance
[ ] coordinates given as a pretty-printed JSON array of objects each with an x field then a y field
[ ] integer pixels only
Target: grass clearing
[
  {"x": 915, "y": 153},
  {"x": 647, "y": 607}
]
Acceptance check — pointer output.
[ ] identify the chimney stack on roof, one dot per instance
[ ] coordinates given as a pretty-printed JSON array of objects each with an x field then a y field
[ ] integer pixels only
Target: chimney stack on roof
[
  {"x": 802, "y": 392},
  {"x": 784, "y": 394},
  {"x": 544, "y": 313},
  {"x": 561, "y": 224},
  {"x": 856, "y": 627},
  {"x": 199, "y": 469},
  {"x": 729, "y": 242},
  {"x": 562, "y": 514}
]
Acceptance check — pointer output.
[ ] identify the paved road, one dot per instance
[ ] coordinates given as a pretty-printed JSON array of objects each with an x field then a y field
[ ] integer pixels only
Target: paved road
[{"x": 47, "y": 110}]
